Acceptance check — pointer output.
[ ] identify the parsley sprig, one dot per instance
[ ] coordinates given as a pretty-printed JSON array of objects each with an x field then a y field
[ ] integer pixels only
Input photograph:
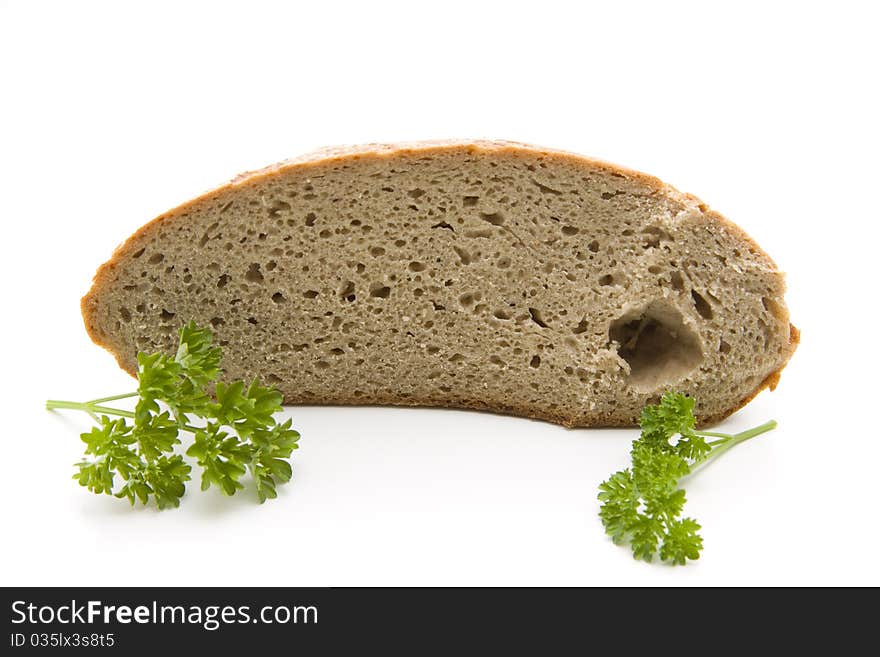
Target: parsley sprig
[
  {"x": 643, "y": 503},
  {"x": 235, "y": 430}
]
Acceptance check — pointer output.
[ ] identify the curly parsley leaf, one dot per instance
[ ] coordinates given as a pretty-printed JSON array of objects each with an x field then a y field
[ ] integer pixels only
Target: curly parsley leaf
[
  {"x": 110, "y": 447},
  {"x": 246, "y": 409},
  {"x": 643, "y": 504},
  {"x": 157, "y": 434},
  {"x": 268, "y": 462},
  {"x": 134, "y": 455},
  {"x": 222, "y": 457},
  {"x": 620, "y": 504},
  {"x": 681, "y": 541},
  {"x": 674, "y": 414},
  {"x": 165, "y": 479},
  {"x": 197, "y": 355}
]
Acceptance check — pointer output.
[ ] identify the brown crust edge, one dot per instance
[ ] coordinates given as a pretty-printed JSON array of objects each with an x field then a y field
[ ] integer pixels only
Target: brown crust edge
[{"x": 329, "y": 155}]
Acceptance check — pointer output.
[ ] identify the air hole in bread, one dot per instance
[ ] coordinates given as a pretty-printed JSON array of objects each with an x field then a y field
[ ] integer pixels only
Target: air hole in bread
[
  {"x": 347, "y": 292},
  {"x": 653, "y": 237},
  {"x": 207, "y": 235},
  {"x": 278, "y": 298},
  {"x": 702, "y": 306},
  {"x": 277, "y": 207},
  {"x": 535, "y": 362},
  {"x": 310, "y": 219},
  {"x": 494, "y": 218},
  {"x": 774, "y": 308},
  {"x": 254, "y": 275},
  {"x": 537, "y": 318},
  {"x": 144, "y": 343},
  {"x": 416, "y": 266},
  {"x": 463, "y": 255},
  {"x": 470, "y": 201},
  {"x": 156, "y": 258},
  {"x": 379, "y": 290},
  {"x": 570, "y": 230},
  {"x": 677, "y": 281},
  {"x": 607, "y": 279},
  {"x": 468, "y": 299},
  {"x": 657, "y": 345},
  {"x": 545, "y": 189}
]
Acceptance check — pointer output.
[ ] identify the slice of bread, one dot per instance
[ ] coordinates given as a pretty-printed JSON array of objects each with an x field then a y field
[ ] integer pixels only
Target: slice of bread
[{"x": 489, "y": 275}]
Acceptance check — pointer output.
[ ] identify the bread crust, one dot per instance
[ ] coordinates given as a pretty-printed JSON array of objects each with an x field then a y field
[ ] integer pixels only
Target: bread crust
[{"x": 330, "y": 155}]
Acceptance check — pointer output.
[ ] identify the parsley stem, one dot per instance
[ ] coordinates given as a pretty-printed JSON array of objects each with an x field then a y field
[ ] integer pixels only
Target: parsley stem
[
  {"x": 112, "y": 398},
  {"x": 92, "y": 409},
  {"x": 713, "y": 434},
  {"x": 88, "y": 407},
  {"x": 727, "y": 441},
  {"x": 755, "y": 431}
]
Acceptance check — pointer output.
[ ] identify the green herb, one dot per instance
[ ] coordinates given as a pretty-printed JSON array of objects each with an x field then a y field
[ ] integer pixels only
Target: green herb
[
  {"x": 235, "y": 430},
  {"x": 643, "y": 504}
]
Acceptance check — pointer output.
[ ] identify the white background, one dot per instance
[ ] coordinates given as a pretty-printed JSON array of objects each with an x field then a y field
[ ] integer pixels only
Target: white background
[{"x": 114, "y": 112}]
